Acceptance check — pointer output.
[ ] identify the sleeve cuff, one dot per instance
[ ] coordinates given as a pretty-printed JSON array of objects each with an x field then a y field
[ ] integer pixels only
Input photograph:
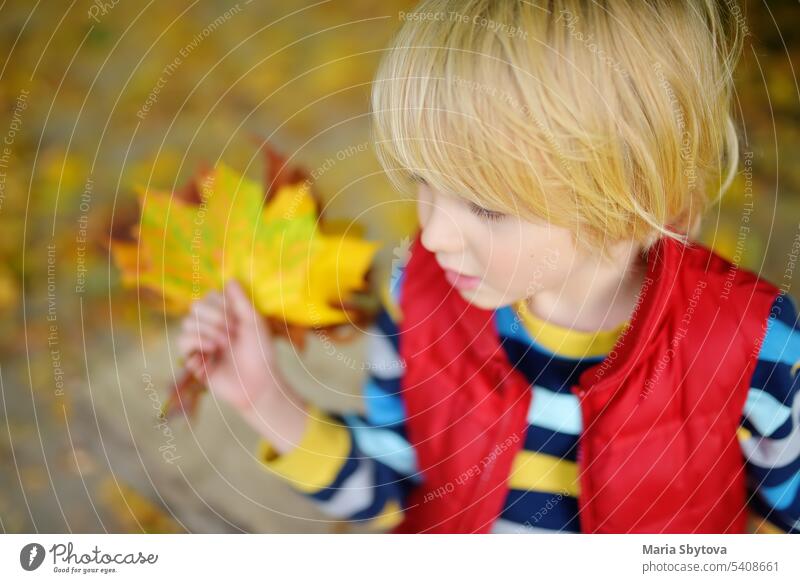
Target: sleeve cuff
[{"x": 317, "y": 459}]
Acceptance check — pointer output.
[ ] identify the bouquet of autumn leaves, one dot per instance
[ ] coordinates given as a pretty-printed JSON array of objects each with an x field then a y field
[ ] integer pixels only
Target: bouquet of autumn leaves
[{"x": 301, "y": 274}]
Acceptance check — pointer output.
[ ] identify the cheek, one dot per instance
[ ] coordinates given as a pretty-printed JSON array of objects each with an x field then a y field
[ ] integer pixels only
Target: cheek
[
  {"x": 423, "y": 209},
  {"x": 507, "y": 264},
  {"x": 525, "y": 265},
  {"x": 552, "y": 265}
]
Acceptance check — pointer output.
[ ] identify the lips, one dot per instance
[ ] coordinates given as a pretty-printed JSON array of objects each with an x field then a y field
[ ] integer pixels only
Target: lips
[{"x": 460, "y": 280}]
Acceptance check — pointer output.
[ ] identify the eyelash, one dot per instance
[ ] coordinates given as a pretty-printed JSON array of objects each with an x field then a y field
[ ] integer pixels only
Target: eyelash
[
  {"x": 474, "y": 208},
  {"x": 485, "y": 213}
]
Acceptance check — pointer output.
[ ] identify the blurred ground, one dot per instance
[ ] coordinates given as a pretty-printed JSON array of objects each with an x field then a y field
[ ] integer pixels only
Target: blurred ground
[{"x": 99, "y": 96}]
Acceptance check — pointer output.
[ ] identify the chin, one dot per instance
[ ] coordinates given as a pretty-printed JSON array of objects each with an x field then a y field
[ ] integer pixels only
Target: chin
[{"x": 481, "y": 300}]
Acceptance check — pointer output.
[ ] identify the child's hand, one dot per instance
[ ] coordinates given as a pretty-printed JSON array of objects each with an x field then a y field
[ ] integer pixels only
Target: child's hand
[{"x": 226, "y": 345}]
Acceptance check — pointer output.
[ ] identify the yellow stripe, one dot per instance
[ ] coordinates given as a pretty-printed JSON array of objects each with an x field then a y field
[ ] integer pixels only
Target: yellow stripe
[
  {"x": 743, "y": 434},
  {"x": 319, "y": 457},
  {"x": 544, "y": 473},
  {"x": 566, "y": 341},
  {"x": 389, "y": 517}
]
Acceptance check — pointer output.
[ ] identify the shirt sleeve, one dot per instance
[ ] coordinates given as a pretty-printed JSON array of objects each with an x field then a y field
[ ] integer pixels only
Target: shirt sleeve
[
  {"x": 359, "y": 467},
  {"x": 770, "y": 430}
]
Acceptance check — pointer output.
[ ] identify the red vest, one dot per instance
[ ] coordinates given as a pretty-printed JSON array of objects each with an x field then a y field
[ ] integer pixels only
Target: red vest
[{"x": 659, "y": 450}]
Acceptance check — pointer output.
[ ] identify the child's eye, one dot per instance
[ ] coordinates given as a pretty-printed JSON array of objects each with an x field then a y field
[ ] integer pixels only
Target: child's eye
[
  {"x": 418, "y": 178},
  {"x": 485, "y": 213}
]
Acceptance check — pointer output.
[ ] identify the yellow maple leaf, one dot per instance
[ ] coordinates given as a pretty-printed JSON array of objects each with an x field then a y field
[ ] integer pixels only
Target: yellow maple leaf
[{"x": 289, "y": 267}]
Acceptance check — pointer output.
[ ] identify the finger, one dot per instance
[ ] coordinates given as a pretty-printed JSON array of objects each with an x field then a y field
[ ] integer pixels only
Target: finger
[
  {"x": 211, "y": 316},
  {"x": 240, "y": 304},
  {"x": 210, "y": 300},
  {"x": 206, "y": 330},
  {"x": 207, "y": 311},
  {"x": 207, "y": 361},
  {"x": 189, "y": 342},
  {"x": 193, "y": 366},
  {"x": 213, "y": 298},
  {"x": 199, "y": 369}
]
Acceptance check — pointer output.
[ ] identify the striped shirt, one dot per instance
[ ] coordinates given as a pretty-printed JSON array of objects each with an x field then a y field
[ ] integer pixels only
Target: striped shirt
[{"x": 361, "y": 467}]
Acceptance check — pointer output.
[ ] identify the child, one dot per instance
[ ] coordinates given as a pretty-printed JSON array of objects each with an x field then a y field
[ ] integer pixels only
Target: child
[{"x": 555, "y": 355}]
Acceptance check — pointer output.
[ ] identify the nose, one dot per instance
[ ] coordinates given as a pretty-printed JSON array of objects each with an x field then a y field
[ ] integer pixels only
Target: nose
[{"x": 441, "y": 232}]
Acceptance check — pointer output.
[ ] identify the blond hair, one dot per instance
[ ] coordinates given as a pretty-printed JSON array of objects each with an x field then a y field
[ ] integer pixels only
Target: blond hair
[{"x": 609, "y": 118}]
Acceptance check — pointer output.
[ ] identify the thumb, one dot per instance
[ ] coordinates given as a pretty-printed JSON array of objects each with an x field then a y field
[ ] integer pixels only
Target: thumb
[{"x": 241, "y": 306}]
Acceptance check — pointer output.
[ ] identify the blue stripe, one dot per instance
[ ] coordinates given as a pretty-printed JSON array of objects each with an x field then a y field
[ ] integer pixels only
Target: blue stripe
[
  {"x": 396, "y": 282},
  {"x": 388, "y": 386},
  {"x": 762, "y": 509},
  {"x": 385, "y": 445},
  {"x": 382, "y": 408},
  {"x": 784, "y": 309},
  {"x": 551, "y": 442},
  {"x": 508, "y": 325},
  {"x": 781, "y": 343},
  {"x": 387, "y": 485},
  {"x": 551, "y": 372},
  {"x": 782, "y": 496},
  {"x": 388, "y": 328},
  {"x": 348, "y": 468},
  {"x": 776, "y": 379},
  {"x": 542, "y": 510},
  {"x": 772, "y": 476}
]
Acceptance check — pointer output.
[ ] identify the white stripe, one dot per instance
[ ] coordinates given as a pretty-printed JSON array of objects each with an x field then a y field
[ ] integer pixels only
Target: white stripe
[
  {"x": 775, "y": 453},
  {"x": 355, "y": 494},
  {"x": 503, "y": 526},
  {"x": 383, "y": 360},
  {"x": 765, "y": 412},
  {"x": 386, "y": 446},
  {"x": 555, "y": 411}
]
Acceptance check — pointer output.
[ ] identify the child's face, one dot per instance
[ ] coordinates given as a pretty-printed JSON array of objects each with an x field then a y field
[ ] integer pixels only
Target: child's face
[{"x": 511, "y": 258}]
